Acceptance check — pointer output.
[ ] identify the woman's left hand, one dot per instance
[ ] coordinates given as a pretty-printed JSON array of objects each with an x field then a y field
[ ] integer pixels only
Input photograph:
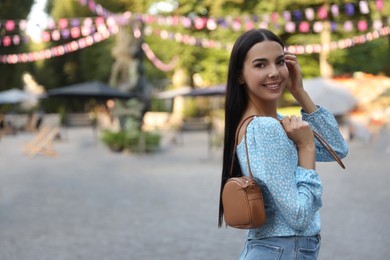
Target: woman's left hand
[{"x": 294, "y": 84}]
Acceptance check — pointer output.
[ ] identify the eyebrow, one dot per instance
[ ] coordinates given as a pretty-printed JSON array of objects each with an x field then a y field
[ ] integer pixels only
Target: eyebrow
[{"x": 263, "y": 59}]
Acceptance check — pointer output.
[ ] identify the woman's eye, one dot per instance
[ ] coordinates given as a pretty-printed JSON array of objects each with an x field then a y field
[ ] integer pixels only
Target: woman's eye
[
  {"x": 281, "y": 62},
  {"x": 259, "y": 65}
]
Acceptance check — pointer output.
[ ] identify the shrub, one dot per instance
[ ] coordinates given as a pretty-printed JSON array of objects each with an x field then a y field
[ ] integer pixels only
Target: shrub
[
  {"x": 114, "y": 140},
  {"x": 134, "y": 141}
]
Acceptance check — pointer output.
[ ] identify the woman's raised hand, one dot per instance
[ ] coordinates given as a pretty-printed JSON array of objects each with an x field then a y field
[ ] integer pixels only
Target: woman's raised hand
[
  {"x": 298, "y": 131},
  {"x": 294, "y": 84}
]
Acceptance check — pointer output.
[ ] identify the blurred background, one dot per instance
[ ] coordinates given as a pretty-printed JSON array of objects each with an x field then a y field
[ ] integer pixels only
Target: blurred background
[{"x": 148, "y": 78}]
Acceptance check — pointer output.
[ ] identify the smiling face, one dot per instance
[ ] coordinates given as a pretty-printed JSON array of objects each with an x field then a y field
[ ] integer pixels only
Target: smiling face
[{"x": 265, "y": 73}]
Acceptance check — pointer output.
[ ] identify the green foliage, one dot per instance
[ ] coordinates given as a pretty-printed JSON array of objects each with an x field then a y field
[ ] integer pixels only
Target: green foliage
[
  {"x": 96, "y": 61},
  {"x": 347, "y": 61},
  {"x": 93, "y": 63},
  {"x": 213, "y": 66},
  {"x": 114, "y": 140},
  {"x": 161, "y": 105},
  {"x": 190, "y": 108},
  {"x": 309, "y": 65},
  {"x": 133, "y": 141}
]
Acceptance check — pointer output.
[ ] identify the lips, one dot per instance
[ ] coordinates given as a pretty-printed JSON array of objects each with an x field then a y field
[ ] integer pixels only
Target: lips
[{"x": 272, "y": 86}]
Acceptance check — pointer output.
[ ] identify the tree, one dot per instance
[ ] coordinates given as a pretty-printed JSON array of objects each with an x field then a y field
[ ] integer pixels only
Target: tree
[{"x": 11, "y": 74}]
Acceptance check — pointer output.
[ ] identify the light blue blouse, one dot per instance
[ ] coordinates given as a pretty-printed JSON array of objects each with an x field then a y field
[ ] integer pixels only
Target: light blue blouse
[{"x": 292, "y": 194}]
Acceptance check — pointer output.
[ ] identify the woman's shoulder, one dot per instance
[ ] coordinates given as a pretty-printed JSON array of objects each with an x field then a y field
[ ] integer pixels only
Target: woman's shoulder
[
  {"x": 265, "y": 131},
  {"x": 264, "y": 122},
  {"x": 264, "y": 127}
]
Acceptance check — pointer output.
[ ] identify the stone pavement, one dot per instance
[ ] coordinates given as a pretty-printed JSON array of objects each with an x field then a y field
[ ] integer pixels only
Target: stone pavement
[{"x": 90, "y": 203}]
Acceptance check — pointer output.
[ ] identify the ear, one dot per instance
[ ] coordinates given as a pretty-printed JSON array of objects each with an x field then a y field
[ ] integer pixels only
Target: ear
[{"x": 241, "y": 79}]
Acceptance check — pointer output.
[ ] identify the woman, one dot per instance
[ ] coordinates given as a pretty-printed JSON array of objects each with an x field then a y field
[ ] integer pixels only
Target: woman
[{"x": 282, "y": 156}]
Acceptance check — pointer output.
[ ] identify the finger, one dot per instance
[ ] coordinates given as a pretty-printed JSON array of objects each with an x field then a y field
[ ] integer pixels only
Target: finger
[
  {"x": 304, "y": 123},
  {"x": 294, "y": 121},
  {"x": 286, "y": 122},
  {"x": 290, "y": 56},
  {"x": 291, "y": 63},
  {"x": 288, "y": 53}
]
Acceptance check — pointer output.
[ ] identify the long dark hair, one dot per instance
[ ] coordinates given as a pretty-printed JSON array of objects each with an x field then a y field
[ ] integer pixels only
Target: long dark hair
[{"x": 236, "y": 101}]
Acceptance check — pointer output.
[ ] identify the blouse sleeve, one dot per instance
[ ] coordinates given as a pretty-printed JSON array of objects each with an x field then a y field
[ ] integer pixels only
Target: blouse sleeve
[
  {"x": 323, "y": 122},
  {"x": 296, "y": 191}
]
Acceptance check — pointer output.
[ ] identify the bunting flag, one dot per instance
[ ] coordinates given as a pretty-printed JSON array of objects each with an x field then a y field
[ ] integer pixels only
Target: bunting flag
[{"x": 57, "y": 50}]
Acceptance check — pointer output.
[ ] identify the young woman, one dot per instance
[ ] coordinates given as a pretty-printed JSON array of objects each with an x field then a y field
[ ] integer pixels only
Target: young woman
[{"x": 282, "y": 156}]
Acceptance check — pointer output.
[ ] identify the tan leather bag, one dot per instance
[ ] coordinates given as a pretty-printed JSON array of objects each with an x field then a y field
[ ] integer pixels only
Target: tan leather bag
[{"x": 242, "y": 199}]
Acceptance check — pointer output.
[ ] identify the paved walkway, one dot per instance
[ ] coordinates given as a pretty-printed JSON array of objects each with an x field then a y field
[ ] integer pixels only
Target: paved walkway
[{"x": 90, "y": 203}]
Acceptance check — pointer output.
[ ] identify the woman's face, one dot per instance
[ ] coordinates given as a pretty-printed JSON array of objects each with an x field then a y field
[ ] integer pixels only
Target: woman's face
[{"x": 265, "y": 73}]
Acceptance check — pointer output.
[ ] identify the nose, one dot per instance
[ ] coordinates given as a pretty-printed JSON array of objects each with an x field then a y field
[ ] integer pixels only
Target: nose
[{"x": 273, "y": 72}]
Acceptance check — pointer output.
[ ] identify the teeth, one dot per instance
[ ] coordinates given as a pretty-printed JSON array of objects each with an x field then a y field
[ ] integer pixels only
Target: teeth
[{"x": 273, "y": 86}]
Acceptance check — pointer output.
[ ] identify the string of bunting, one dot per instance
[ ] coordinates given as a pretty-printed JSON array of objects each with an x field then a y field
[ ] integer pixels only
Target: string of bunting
[
  {"x": 57, "y": 50},
  {"x": 185, "y": 39},
  {"x": 137, "y": 32},
  {"x": 287, "y": 18},
  {"x": 56, "y": 34},
  {"x": 297, "y": 49},
  {"x": 61, "y": 30},
  {"x": 156, "y": 61},
  {"x": 74, "y": 32},
  {"x": 341, "y": 44},
  {"x": 93, "y": 24},
  {"x": 75, "y": 45},
  {"x": 318, "y": 26},
  {"x": 111, "y": 20},
  {"x": 63, "y": 23},
  {"x": 295, "y": 26},
  {"x": 293, "y": 20},
  {"x": 302, "y": 18}
]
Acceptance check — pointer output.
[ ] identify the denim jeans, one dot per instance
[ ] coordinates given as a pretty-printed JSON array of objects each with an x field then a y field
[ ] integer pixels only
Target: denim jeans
[{"x": 282, "y": 248}]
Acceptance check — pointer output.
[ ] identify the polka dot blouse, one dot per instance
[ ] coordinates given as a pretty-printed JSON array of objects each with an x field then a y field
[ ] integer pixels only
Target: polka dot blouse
[{"x": 292, "y": 194}]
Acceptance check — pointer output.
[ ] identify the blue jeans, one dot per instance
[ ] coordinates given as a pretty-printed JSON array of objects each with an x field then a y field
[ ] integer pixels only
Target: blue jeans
[{"x": 282, "y": 248}]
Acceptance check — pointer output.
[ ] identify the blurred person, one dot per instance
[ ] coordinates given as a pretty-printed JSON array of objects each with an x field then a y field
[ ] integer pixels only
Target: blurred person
[
  {"x": 2, "y": 125},
  {"x": 282, "y": 150}
]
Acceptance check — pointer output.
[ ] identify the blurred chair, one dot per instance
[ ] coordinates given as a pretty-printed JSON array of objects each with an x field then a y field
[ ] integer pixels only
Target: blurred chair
[{"x": 42, "y": 142}]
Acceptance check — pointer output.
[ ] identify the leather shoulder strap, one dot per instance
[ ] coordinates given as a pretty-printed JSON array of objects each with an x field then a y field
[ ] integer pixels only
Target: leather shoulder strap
[
  {"x": 327, "y": 147},
  {"x": 246, "y": 146},
  {"x": 322, "y": 141}
]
